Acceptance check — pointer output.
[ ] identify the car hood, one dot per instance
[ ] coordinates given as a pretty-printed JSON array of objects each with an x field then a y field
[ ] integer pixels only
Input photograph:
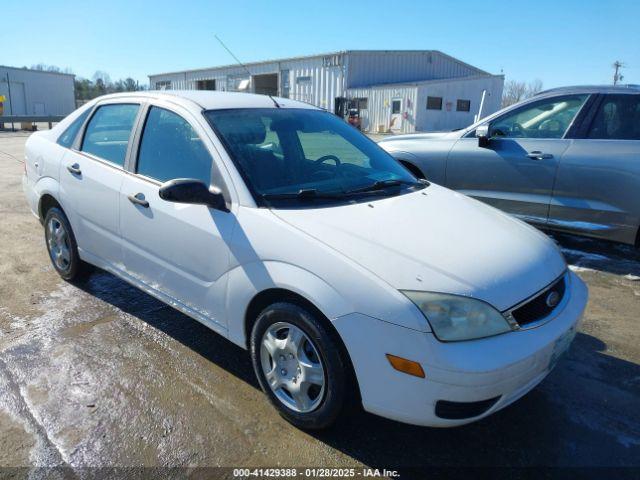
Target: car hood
[
  {"x": 438, "y": 240},
  {"x": 418, "y": 136}
]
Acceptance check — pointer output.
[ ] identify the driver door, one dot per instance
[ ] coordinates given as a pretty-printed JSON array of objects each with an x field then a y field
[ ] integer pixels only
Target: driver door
[
  {"x": 178, "y": 250},
  {"x": 515, "y": 172}
]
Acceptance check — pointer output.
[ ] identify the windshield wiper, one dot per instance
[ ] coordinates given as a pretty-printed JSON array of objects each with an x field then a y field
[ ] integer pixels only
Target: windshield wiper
[
  {"x": 382, "y": 184},
  {"x": 302, "y": 194}
]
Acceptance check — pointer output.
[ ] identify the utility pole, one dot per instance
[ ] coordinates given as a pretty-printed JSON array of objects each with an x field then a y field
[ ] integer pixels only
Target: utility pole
[
  {"x": 13, "y": 127},
  {"x": 617, "y": 76}
]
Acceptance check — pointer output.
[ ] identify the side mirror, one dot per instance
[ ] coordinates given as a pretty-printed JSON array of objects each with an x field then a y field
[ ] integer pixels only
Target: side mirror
[
  {"x": 189, "y": 190},
  {"x": 482, "y": 134}
]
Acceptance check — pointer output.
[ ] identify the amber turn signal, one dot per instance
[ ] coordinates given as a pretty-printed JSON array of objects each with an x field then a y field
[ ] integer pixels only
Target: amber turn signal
[{"x": 406, "y": 366}]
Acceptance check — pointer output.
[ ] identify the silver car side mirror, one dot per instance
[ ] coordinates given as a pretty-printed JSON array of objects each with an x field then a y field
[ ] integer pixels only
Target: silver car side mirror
[{"x": 482, "y": 134}]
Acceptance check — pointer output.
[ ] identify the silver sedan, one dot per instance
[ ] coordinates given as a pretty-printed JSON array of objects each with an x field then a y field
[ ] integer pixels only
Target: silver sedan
[{"x": 567, "y": 159}]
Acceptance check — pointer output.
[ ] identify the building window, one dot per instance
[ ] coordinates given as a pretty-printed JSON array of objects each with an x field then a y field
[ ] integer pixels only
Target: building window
[
  {"x": 463, "y": 106},
  {"x": 304, "y": 79},
  {"x": 434, "y": 103},
  {"x": 205, "y": 85},
  {"x": 396, "y": 106},
  {"x": 363, "y": 103},
  {"x": 238, "y": 83},
  {"x": 163, "y": 85},
  {"x": 284, "y": 83}
]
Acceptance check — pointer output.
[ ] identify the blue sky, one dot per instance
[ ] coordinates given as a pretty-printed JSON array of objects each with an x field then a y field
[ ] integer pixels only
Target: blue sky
[{"x": 557, "y": 41}]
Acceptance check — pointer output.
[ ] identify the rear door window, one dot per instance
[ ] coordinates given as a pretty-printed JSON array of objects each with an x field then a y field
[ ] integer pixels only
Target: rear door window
[
  {"x": 108, "y": 132},
  {"x": 617, "y": 118}
]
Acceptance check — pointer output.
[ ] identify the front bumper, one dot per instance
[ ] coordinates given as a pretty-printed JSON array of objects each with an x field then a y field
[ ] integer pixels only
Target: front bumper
[{"x": 505, "y": 366}]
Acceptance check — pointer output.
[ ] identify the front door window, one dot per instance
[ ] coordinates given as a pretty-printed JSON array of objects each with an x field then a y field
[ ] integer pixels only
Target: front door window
[{"x": 549, "y": 118}]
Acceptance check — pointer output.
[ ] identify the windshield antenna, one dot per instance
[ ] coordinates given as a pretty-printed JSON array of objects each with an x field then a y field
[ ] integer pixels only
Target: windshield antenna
[{"x": 242, "y": 65}]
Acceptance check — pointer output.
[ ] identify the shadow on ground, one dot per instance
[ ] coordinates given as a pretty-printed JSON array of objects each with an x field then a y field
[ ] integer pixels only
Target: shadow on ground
[
  {"x": 599, "y": 255},
  {"x": 586, "y": 413}
]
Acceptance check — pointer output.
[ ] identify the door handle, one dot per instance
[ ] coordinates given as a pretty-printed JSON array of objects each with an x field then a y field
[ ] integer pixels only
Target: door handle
[
  {"x": 75, "y": 169},
  {"x": 138, "y": 199},
  {"x": 538, "y": 155}
]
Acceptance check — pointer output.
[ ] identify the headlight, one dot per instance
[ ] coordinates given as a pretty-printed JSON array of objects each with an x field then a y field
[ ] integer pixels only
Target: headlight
[{"x": 454, "y": 318}]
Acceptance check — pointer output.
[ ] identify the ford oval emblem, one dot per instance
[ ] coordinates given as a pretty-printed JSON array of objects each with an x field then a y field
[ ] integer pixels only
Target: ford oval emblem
[{"x": 553, "y": 299}]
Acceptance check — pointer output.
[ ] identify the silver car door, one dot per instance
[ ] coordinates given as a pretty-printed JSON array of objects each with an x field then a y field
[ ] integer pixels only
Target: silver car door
[
  {"x": 596, "y": 191},
  {"x": 516, "y": 170}
]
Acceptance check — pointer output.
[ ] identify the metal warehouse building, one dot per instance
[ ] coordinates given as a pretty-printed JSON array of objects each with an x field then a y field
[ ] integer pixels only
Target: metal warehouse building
[
  {"x": 398, "y": 91},
  {"x": 36, "y": 93}
]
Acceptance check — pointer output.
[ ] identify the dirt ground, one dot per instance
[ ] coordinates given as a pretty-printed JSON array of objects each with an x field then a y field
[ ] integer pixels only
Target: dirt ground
[{"x": 104, "y": 375}]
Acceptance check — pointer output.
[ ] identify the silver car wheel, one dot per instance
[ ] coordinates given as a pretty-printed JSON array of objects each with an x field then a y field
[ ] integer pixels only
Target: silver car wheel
[
  {"x": 292, "y": 367},
  {"x": 58, "y": 242}
]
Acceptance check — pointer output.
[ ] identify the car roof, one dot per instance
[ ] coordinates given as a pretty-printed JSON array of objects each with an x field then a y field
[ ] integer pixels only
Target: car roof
[
  {"x": 592, "y": 89},
  {"x": 212, "y": 100}
]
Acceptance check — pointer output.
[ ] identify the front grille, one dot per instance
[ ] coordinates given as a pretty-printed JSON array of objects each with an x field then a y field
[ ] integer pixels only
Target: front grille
[{"x": 538, "y": 307}]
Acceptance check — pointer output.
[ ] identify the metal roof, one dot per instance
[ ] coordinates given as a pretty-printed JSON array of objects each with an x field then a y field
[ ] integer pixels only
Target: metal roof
[
  {"x": 318, "y": 55},
  {"x": 21, "y": 69}
]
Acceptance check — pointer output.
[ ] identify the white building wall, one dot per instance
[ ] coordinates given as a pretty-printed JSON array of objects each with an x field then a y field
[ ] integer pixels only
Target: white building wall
[
  {"x": 452, "y": 90},
  {"x": 37, "y": 93}
]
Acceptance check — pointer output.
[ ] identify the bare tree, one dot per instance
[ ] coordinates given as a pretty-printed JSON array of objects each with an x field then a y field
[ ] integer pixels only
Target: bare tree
[{"x": 515, "y": 91}]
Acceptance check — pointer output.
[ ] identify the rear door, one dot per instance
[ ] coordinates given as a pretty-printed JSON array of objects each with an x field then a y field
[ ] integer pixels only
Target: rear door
[
  {"x": 90, "y": 177},
  {"x": 597, "y": 189},
  {"x": 178, "y": 250},
  {"x": 517, "y": 169}
]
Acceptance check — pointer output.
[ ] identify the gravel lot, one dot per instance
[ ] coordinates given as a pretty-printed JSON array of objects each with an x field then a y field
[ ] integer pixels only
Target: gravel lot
[{"x": 104, "y": 375}]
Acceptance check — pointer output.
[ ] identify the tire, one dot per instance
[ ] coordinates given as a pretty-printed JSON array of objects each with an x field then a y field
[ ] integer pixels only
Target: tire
[
  {"x": 293, "y": 366},
  {"x": 62, "y": 247}
]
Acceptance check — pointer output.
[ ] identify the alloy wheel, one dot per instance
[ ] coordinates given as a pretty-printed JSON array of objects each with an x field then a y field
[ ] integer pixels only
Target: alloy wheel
[{"x": 292, "y": 367}]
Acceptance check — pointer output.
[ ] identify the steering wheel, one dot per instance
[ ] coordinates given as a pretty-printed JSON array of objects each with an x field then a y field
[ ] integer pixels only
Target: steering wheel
[
  {"x": 321, "y": 160},
  {"x": 517, "y": 130}
]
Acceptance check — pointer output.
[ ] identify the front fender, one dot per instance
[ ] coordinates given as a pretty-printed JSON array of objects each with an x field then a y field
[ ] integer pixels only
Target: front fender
[{"x": 246, "y": 281}]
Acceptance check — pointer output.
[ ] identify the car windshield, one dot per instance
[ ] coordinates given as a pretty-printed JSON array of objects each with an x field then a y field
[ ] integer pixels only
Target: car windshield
[{"x": 302, "y": 154}]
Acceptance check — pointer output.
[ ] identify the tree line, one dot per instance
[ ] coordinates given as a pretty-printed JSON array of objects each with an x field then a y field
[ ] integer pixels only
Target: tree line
[
  {"x": 515, "y": 91},
  {"x": 99, "y": 84}
]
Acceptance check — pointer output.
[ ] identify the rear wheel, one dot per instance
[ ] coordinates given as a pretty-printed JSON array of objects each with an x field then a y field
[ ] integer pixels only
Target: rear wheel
[
  {"x": 62, "y": 246},
  {"x": 298, "y": 366}
]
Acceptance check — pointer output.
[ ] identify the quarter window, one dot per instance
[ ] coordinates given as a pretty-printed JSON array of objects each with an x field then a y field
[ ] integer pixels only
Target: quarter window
[
  {"x": 107, "y": 134},
  {"x": 545, "y": 119},
  {"x": 618, "y": 118},
  {"x": 170, "y": 148},
  {"x": 434, "y": 103},
  {"x": 69, "y": 135}
]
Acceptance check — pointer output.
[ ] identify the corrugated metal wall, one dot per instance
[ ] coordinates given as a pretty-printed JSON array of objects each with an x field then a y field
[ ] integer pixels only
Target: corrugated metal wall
[
  {"x": 37, "y": 93},
  {"x": 374, "y": 68},
  {"x": 378, "y": 111},
  {"x": 309, "y": 79},
  {"x": 414, "y": 113}
]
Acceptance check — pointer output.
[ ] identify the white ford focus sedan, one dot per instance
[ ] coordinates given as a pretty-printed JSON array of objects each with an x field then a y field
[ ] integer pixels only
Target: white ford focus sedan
[{"x": 284, "y": 229}]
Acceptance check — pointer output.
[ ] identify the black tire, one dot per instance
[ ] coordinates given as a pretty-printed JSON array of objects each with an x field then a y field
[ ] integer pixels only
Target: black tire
[
  {"x": 75, "y": 269},
  {"x": 335, "y": 367}
]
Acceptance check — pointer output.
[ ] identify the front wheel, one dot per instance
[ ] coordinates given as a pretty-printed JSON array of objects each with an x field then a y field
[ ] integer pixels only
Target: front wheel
[{"x": 298, "y": 366}]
